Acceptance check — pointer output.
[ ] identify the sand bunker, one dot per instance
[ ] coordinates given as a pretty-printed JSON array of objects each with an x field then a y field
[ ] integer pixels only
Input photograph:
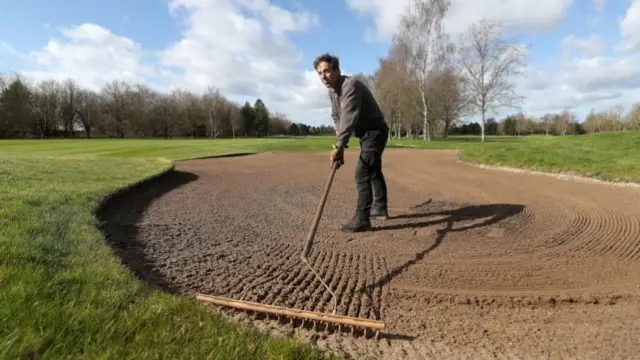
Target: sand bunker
[{"x": 474, "y": 263}]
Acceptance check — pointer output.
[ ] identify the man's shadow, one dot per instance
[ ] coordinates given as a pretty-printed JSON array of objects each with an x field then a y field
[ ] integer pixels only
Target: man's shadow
[{"x": 491, "y": 213}]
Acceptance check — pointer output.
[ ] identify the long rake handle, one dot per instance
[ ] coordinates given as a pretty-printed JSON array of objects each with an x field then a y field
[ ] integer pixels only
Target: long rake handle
[{"x": 314, "y": 227}]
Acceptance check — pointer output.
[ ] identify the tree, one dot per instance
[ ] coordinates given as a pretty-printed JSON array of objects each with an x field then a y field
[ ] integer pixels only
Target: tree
[
  {"x": 261, "y": 118},
  {"x": 563, "y": 122},
  {"x": 117, "y": 101},
  {"x": 367, "y": 80},
  {"x": 46, "y": 107},
  {"x": 449, "y": 100},
  {"x": 248, "y": 119},
  {"x": 632, "y": 120},
  {"x": 388, "y": 92},
  {"x": 279, "y": 124},
  {"x": 211, "y": 99},
  {"x": 427, "y": 46},
  {"x": 89, "y": 110},
  {"x": 396, "y": 92},
  {"x": 70, "y": 90},
  {"x": 489, "y": 64},
  {"x": 51, "y": 108},
  {"x": 235, "y": 119},
  {"x": 16, "y": 105}
]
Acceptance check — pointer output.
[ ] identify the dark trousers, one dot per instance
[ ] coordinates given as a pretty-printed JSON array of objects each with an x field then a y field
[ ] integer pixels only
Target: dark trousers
[{"x": 370, "y": 183}]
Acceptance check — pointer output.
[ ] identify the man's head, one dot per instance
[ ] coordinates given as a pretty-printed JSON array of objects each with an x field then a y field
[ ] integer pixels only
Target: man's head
[{"x": 328, "y": 69}]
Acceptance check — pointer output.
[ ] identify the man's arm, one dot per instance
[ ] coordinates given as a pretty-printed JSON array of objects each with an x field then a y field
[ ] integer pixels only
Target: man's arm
[
  {"x": 334, "y": 114},
  {"x": 350, "y": 104}
]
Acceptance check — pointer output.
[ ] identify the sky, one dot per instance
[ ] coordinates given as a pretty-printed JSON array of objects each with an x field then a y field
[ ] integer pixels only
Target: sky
[{"x": 581, "y": 54}]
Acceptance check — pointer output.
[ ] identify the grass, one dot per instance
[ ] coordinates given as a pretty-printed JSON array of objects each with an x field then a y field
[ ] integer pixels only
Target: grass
[
  {"x": 604, "y": 156},
  {"x": 63, "y": 294}
]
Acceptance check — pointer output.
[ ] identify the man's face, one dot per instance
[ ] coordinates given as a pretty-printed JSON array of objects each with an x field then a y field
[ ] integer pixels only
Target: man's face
[{"x": 327, "y": 75}]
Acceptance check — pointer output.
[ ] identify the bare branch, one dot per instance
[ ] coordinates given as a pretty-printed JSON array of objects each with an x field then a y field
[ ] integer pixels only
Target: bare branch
[
  {"x": 489, "y": 65},
  {"x": 425, "y": 45}
]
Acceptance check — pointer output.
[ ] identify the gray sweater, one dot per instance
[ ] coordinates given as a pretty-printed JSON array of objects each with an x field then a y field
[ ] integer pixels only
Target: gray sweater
[{"x": 354, "y": 110}]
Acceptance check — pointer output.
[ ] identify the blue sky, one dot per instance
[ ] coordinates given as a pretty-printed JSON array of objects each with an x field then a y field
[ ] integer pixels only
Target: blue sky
[{"x": 280, "y": 72}]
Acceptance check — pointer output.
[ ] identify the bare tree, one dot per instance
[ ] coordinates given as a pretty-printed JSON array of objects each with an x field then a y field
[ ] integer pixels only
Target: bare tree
[
  {"x": 118, "y": 101},
  {"x": 388, "y": 91},
  {"x": 235, "y": 118},
  {"x": 63, "y": 108},
  {"x": 427, "y": 45},
  {"x": 632, "y": 119},
  {"x": 617, "y": 117},
  {"x": 397, "y": 93},
  {"x": 563, "y": 122},
  {"x": 367, "y": 80},
  {"x": 194, "y": 110},
  {"x": 212, "y": 98},
  {"x": 70, "y": 90},
  {"x": 46, "y": 107},
  {"x": 89, "y": 110},
  {"x": 143, "y": 101},
  {"x": 3, "y": 82},
  {"x": 449, "y": 99},
  {"x": 489, "y": 64}
]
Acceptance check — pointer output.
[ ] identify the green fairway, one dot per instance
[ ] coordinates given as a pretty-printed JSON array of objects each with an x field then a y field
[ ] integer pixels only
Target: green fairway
[
  {"x": 605, "y": 156},
  {"x": 175, "y": 149},
  {"x": 63, "y": 294}
]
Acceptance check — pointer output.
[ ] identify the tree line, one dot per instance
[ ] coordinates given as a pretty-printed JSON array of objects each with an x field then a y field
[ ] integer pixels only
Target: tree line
[
  {"x": 565, "y": 122},
  {"x": 50, "y": 109},
  {"x": 427, "y": 84}
]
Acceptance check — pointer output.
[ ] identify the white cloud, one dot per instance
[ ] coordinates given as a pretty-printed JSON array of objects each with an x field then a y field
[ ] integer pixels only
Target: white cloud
[
  {"x": 592, "y": 45},
  {"x": 590, "y": 79},
  {"x": 245, "y": 56},
  {"x": 238, "y": 46},
  {"x": 583, "y": 83},
  {"x": 630, "y": 28},
  {"x": 531, "y": 16},
  {"x": 92, "y": 55},
  {"x": 578, "y": 77}
]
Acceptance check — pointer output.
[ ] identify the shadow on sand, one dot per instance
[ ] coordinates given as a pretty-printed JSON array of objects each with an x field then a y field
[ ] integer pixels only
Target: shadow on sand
[
  {"x": 491, "y": 213},
  {"x": 118, "y": 217}
]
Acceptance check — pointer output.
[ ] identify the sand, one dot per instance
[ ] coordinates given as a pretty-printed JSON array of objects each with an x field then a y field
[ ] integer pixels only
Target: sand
[{"x": 474, "y": 262}]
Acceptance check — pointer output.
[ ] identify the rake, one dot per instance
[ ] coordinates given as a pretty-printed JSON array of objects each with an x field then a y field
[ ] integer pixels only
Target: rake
[{"x": 304, "y": 315}]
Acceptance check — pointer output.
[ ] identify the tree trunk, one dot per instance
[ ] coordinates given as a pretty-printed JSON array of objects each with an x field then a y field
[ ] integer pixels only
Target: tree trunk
[
  {"x": 482, "y": 127},
  {"x": 426, "y": 136},
  {"x": 446, "y": 127}
]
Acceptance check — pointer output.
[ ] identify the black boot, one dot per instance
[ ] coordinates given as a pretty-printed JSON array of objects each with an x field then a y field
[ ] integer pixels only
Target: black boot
[
  {"x": 356, "y": 225},
  {"x": 379, "y": 214}
]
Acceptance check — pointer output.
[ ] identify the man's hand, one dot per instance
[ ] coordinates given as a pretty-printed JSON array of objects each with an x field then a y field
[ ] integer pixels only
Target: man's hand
[{"x": 337, "y": 156}]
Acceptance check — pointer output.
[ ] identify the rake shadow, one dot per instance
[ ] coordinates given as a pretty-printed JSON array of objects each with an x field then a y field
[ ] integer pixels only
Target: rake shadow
[{"x": 492, "y": 213}]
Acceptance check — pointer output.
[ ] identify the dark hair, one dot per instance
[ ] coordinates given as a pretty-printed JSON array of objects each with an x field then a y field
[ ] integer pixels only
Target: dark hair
[{"x": 330, "y": 59}]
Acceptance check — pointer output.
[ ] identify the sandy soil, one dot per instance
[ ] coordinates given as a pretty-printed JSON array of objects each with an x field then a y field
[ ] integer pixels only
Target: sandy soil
[{"x": 474, "y": 263}]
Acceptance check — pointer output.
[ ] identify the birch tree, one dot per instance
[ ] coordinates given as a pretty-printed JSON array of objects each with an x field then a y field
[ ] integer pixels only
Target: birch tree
[
  {"x": 211, "y": 98},
  {"x": 422, "y": 33},
  {"x": 489, "y": 64}
]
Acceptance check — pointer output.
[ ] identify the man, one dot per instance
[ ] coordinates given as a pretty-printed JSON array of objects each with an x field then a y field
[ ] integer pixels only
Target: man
[{"x": 355, "y": 110}]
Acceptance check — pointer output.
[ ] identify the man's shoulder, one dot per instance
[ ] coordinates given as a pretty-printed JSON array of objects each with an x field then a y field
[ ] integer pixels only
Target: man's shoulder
[
  {"x": 351, "y": 83},
  {"x": 349, "y": 80}
]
